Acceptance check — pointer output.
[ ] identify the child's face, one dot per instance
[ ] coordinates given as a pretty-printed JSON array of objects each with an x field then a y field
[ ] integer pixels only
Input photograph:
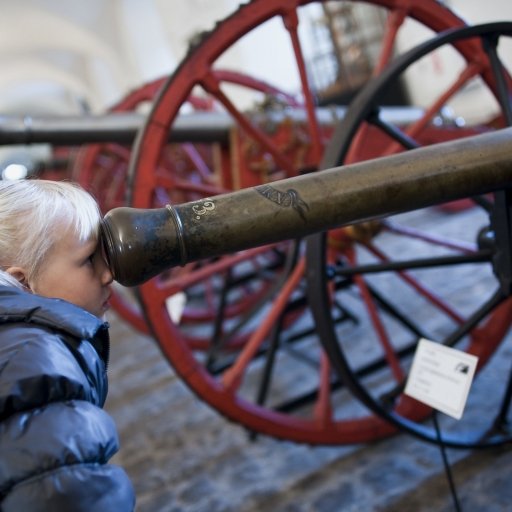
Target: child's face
[{"x": 75, "y": 271}]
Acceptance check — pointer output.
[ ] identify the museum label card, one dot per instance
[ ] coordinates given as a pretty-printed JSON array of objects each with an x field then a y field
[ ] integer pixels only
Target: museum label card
[{"x": 440, "y": 377}]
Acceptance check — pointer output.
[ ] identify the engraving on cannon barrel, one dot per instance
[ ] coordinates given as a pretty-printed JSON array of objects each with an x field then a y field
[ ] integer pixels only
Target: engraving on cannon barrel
[
  {"x": 287, "y": 199},
  {"x": 203, "y": 208}
]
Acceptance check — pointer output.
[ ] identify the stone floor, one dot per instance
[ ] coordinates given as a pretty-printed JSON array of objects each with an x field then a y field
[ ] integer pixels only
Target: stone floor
[{"x": 184, "y": 456}]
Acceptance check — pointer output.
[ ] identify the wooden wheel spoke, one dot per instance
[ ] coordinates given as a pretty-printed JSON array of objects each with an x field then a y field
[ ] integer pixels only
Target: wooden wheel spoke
[
  {"x": 232, "y": 378},
  {"x": 414, "y": 130},
  {"x": 176, "y": 184},
  {"x": 291, "y": 22},
  {"x": 191, "y": 274},
  {"x": 394, "y": 21},
  {"x": 431, "y": 238},
  {"x": 212, "y": 85},
  {"x": 198, "y": 162},
  {"x": 422, "y": 289},
  {"x": 380, "y": 330},
  {"x": 119, "y": 151},
  {"x": 323, "y": 410}
]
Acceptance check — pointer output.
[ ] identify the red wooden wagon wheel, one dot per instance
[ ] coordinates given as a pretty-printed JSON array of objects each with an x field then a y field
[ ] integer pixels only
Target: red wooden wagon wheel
[
  {"x": 381, "y": 271},
  {"x": 280, "y": 382},
  {"x": 103, "y": 170}
]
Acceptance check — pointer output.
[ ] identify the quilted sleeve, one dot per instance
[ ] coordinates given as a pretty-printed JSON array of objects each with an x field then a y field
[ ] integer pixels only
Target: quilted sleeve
[{"x": 56, "y": 458}]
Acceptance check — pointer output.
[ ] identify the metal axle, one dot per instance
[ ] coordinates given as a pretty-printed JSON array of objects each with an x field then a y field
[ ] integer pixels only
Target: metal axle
[
  {"x": 119, "y": 128},
  {"x": 122, "y": 127}
]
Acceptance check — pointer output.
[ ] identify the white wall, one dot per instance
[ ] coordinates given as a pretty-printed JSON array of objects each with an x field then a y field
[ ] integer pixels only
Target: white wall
[
  {"x": 94, "y": 51},
  {"x": 74, "y": 51},
  {"x": 434, "y": 73}
]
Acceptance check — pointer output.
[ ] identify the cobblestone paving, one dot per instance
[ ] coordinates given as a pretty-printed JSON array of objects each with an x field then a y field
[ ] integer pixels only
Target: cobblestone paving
[{"x": 183, "y": 456}]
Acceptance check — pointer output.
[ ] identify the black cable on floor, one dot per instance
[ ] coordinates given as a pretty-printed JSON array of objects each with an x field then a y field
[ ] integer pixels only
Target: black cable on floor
[{"x": 447, "y": 468}]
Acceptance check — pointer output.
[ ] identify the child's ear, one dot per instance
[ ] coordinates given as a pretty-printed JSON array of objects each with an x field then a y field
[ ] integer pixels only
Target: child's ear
[{"x": 20, "y": 275}]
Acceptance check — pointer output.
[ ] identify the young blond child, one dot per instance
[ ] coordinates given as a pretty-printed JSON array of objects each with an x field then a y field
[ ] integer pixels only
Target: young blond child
[{"x": 55, "y": 438}]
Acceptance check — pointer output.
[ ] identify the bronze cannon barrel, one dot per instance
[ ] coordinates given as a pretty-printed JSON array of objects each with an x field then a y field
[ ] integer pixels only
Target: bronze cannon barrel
[{"x": 140, "y": 243}]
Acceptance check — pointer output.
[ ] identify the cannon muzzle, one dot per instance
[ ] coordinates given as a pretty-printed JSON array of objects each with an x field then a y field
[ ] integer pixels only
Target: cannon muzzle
[{"x": 141, "y": 243}]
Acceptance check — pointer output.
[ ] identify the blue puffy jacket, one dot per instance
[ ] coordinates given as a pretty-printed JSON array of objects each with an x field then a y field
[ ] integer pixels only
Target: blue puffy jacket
[{"x": 55, "y": 438}]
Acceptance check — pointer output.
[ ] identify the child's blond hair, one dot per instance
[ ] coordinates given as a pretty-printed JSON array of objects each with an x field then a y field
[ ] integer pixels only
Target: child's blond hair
[{"x": 34, "y": 214}]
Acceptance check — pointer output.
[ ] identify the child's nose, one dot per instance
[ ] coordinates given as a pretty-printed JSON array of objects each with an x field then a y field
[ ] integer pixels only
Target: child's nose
[
  {"x": 107, "y": 276},
  {"x": 104, "y": 272}
]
